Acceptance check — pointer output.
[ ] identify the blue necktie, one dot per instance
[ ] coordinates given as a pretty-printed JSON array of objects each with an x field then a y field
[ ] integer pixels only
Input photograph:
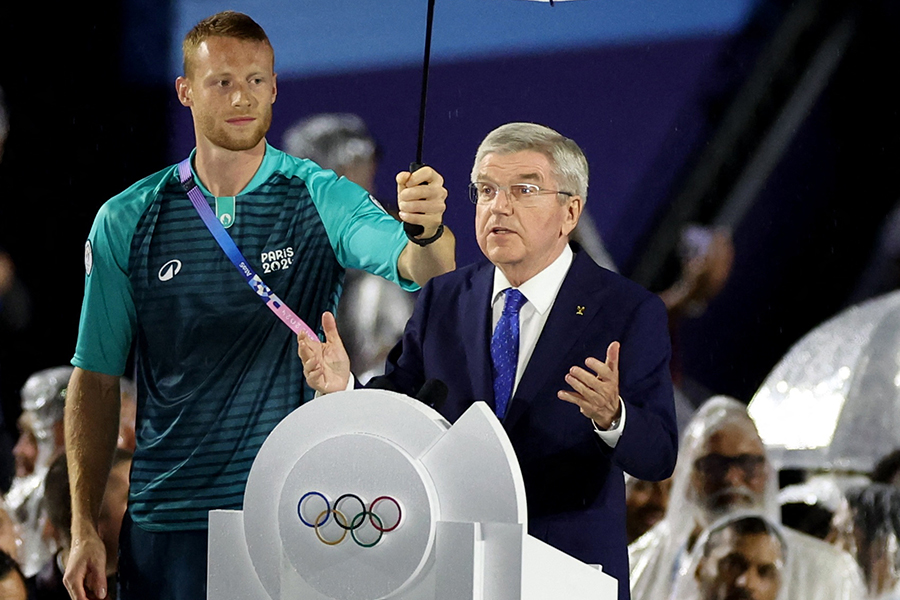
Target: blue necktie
[{"x": 505, "y": 350}]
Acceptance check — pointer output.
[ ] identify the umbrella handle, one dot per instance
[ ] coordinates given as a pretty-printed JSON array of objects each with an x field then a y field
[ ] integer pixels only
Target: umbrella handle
[{"x": 412, "y": 230}]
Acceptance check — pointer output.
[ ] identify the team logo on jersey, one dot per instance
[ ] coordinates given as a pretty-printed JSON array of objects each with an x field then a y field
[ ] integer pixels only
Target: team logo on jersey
[
  {"x": 169, "y": 270},
  {"x": 277, "y": 260},
  {"x": 88, "y": 258}
]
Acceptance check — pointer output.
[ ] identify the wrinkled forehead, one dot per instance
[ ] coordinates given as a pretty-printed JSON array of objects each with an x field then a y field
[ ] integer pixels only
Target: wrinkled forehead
[
  {"x": 524, "y": 166},
  {"x": 733, "y": 439}
]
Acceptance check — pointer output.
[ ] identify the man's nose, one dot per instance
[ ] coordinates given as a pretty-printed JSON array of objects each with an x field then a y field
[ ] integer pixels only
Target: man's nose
[
  {"x": 748, "y": 580},
  {"x": 241, "y": 96},
  {"x": 735, "y": 475},
  {"x": 503, "y": 206},
  {"x": 21, "y": 446}
]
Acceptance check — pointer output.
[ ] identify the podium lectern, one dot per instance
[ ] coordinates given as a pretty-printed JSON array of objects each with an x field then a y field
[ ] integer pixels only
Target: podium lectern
[{"x": 369, "y": 494}]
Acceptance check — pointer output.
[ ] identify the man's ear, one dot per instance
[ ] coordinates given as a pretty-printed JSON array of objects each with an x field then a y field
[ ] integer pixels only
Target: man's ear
[
  {"x": 183, "y": 90},
  {"x": 573, "y": 212},
  {"x": 274, "y": 86}
]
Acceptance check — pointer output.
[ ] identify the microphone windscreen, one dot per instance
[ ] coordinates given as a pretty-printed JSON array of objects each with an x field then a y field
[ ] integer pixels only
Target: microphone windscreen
[{"x": 382, "y": 382}]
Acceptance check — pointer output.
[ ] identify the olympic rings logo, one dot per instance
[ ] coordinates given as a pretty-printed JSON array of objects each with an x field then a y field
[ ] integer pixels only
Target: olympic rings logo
[{"x": 382, "y": 523}]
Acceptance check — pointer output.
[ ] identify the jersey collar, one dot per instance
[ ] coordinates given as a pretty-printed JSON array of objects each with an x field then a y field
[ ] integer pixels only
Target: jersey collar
[{"x": 268, "y": 166}]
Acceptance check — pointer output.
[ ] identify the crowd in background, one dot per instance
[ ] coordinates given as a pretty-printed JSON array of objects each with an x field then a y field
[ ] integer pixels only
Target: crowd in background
[
  {"x": 716, "y": 530},
  {"x": 713, "y": 531},
  {"x": 35, "y": 512}
]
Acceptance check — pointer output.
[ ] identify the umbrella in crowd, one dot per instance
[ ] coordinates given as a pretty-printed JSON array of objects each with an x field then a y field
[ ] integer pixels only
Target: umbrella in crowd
[{"x": 833, "y": 401}]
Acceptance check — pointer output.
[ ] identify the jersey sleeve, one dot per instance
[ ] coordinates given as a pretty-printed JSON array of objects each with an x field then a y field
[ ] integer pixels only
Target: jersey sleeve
[
  {"x": 108, "y": 317},
  {"x": 363, "y": 235}
]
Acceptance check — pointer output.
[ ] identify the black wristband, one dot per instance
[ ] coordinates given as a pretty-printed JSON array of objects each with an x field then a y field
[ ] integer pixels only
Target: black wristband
[{"x": 426, "y": 241}]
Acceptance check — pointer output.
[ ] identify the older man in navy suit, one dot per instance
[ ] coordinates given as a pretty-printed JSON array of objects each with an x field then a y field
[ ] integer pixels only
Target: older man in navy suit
[{"x": 573, "y": 358}]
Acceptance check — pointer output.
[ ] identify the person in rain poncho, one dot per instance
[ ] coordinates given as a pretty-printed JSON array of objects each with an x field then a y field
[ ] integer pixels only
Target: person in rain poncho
[
  {"x": 739, "y": 557},
  {"x": 722, "y": 468},
  {"x": 40, "y": 440},
  {"x": 867, "y": 525}
]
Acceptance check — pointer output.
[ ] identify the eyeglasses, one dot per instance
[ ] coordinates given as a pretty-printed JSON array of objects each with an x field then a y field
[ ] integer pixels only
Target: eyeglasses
[
  {"x": 718, "y": 465},
  {"x": 523, "y": 194}
]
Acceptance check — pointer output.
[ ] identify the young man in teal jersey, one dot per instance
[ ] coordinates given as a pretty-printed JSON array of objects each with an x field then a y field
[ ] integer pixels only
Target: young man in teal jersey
[{"x": 214, "y": 368}]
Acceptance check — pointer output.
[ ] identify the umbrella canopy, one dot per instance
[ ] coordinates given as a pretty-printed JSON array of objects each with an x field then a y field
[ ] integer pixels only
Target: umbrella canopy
[{"x": 833, "y": 401}]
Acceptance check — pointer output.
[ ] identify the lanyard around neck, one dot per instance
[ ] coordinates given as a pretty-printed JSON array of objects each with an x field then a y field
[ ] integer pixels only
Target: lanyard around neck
[{"x": 265, "y": 293}]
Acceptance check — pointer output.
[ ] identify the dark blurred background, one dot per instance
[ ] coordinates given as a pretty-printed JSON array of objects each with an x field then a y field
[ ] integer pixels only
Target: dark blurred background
[{"x": 771, "y": 118}]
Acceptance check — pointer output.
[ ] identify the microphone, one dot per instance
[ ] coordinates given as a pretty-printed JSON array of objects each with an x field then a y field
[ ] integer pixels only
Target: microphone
[
  {"x": 433, "y": 393},
  {"x": 382, "y": 382}
]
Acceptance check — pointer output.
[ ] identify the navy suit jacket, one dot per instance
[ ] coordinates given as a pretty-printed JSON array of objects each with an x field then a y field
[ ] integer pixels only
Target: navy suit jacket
[{"x": 573, "y": 480}]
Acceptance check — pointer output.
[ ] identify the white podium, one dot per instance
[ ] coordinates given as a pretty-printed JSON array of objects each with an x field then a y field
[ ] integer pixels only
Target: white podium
[{"x": 369, "y": 494}]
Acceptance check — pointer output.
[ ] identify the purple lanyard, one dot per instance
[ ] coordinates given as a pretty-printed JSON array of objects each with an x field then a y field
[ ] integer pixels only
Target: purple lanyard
[{"x": 231, "y": 250}]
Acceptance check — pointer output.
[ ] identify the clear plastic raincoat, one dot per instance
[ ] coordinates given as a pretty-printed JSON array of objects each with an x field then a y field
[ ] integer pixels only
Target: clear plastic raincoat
[{"x": 818, "y": 571}]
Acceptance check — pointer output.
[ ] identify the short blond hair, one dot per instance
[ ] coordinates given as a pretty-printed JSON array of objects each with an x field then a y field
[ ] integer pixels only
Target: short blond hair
[{"x": 227, "y": 23}]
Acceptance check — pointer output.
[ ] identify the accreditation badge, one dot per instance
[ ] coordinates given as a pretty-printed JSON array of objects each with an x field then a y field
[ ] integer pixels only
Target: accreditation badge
[{"x": 225, "y": 210}]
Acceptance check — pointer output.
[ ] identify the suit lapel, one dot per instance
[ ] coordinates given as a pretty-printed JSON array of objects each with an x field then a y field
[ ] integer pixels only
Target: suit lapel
[
  {"x": 475, "y": 311},
  {"x": 576, "y": 305}
]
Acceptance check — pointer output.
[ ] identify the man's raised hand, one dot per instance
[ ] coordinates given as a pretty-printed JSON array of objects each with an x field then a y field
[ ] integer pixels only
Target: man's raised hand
[
  {"x": 597, "y": 393},
  {"x": 326, "y": 366}
]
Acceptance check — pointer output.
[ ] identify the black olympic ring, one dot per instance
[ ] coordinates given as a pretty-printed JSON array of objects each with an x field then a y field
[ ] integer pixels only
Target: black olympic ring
[{"x": 355, "y": 523}]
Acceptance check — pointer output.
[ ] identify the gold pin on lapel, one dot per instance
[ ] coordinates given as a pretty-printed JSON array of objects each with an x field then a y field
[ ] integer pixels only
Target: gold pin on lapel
[{"x": 579, "y": 310}]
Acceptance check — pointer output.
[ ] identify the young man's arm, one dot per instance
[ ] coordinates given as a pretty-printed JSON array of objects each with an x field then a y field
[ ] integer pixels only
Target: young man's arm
[
  {"x": 419, "y": 264},
  {"x": 91, "y": 425}
]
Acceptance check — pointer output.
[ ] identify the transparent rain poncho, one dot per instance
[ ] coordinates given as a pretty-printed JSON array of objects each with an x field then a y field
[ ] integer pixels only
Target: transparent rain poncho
[
  {"x": 819, "y": 571},
  {"x": 711, "y": 558},
  {"x": 331, "y": 140},
  {"x": 867, "y": 525},
  {"x": 43, "y": 402}
]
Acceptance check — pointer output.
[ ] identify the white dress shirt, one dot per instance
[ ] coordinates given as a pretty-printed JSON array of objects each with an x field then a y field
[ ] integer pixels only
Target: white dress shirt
[{"x": 540, "y": 292}]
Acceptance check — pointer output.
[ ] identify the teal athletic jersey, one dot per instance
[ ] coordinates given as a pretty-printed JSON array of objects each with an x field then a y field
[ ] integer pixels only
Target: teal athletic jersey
[{"x": 216, "y": 369}]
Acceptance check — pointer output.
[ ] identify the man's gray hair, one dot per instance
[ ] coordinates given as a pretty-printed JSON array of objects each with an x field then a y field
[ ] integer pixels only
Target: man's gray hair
[
  {"x": 331, "y": 140},
  {"x": 569, "y": 165}
]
